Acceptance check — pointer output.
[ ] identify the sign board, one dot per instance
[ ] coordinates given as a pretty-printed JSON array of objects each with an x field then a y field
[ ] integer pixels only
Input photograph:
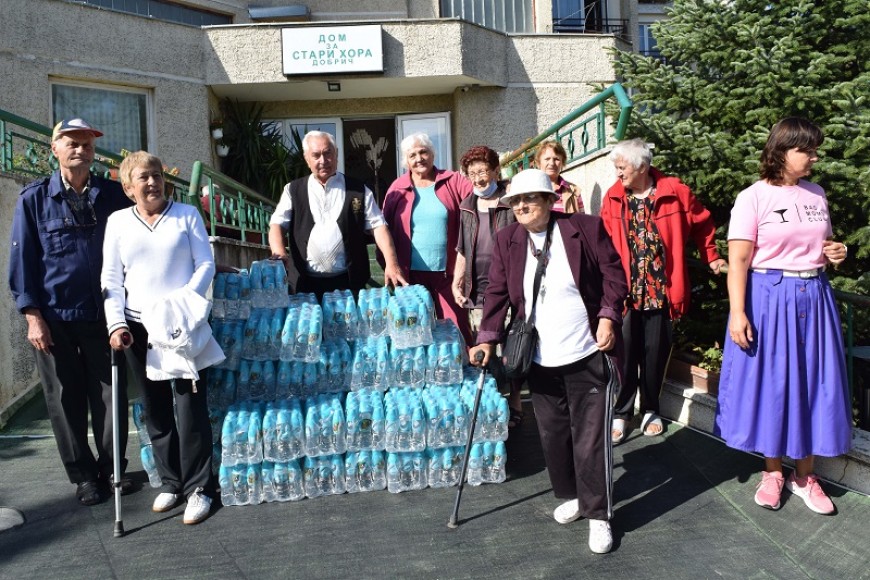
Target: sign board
[{"x": 332, "y": 49}]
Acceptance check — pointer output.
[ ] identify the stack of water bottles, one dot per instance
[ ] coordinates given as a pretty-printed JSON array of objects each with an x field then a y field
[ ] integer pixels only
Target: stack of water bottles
[
  {"x": 405, "y": 440},
  {"x": 410, "y": 317},
  {"x": 341, "y": 315},
  {"x": 145, "y": 452},
  {"x": 488, "y": 457},
  {"x": 286, "y": 429},
  {"x": 364, "y": 464},
  {"x": 372, "y": 366},
  {"x": 374, "y": 304}
]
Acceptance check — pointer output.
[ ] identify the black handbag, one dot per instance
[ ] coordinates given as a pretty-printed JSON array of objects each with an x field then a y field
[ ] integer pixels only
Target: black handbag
[{"x": 522, "y": 336}]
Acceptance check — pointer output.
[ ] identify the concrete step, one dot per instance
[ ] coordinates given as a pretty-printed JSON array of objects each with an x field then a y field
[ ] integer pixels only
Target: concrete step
[{"x": 685, "y": 405}]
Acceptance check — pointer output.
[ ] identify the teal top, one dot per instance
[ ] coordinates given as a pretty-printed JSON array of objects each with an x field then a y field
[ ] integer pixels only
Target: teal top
[{"x": 428, "y": 231}]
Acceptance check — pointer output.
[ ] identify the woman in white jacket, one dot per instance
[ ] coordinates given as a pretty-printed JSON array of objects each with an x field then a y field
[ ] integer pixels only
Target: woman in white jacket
[{"x": 154, "y": 253}]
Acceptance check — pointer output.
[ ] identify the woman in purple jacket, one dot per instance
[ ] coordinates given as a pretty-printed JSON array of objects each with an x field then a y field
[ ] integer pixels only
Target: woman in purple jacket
[{"x": 577, "y": 313}]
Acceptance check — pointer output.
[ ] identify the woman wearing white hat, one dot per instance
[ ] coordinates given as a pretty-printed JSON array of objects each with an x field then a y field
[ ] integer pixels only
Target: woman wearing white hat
[{"x": 576, "y": 312}]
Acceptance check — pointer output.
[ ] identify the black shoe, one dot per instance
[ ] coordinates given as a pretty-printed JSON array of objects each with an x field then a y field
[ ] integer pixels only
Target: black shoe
[
  {"x": 88, "y": 493},
  {"x": 108, "y": 485}
]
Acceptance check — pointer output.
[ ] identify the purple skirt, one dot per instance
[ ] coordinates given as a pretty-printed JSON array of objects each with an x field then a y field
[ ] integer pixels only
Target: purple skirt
[{"x": 787, "y": 395}]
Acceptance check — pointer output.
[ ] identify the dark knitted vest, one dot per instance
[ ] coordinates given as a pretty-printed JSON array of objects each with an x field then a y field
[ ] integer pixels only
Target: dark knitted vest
[{"x": 351, "y": 223}]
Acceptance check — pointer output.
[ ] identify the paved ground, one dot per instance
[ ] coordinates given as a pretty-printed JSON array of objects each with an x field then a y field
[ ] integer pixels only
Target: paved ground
[{"x": 684, "y": 510}]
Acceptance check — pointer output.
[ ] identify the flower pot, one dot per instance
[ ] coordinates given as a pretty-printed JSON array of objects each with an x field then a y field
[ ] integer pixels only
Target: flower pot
[
  {"x": 222, "y": 150},
  {"x": 694, "y": 376},
  {"x": 217, "y": 133}
]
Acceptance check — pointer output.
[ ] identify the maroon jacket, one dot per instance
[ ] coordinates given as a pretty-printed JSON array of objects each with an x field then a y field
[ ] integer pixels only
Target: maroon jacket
[{"x": 594, "y": 264}]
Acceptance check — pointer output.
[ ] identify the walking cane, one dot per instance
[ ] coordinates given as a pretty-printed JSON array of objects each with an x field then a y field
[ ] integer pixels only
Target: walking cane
[
  {"x": 116, "y": 436},
  {"x": 452, "y": 523}
]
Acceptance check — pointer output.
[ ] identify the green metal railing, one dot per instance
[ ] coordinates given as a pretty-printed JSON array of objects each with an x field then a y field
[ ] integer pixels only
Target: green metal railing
[
  {"x": 580, "y": 138},
  {"x": 849, "y": 303},
  {"x": 230, "y": 208},
  {"x": 235, "y": 212},
  {"x": 25, "y": 150}
]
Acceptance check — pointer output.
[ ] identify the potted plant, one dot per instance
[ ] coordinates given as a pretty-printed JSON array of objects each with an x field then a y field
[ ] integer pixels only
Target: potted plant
[
  {"x": 699, "y": 368},
  {"x": 222, "y": 148},
  {"x": 217, "y": 129}
]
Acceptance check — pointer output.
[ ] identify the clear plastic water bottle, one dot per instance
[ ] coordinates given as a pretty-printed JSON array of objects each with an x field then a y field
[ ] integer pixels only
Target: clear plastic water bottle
[
  {"x": 394, "y": 473},
  {"x": 283, "y": 390},
  {"x": 249, "y": 343},
  {"x": 269, "y": 380},
  {"x": 225, "y": 479},
  {"x": 281, "y": 482},
  {"x": 267, "y": 477},
  {"x": 239, "y": 478},
  {"x": 270, "y": 434},
  {"x": 255, "y": 484},
  {"x": 233, "y": 292},
  {"x": 147, "y": 456},
  {"x": 475, "y": 465},
  {"x": 228, "y": 436},
  {"x": 498, "y": 471},
  {"x": 295, "y": 480},
  {"x": 219, "y": 297},
  {"x": 244, "y": 308},
  {"x": 487, "y": 456},
  {"x": 434, "y": 475},
  {"x": 235, "y": 347},
  {"x": 256, "y": 386},
  {"x": 139, "y": 417},
  {"x": 255, "y": 438},
  {"x": 452, "y": 464},
  {"x": 240, "y": 440},
  {"x": 255, "y": 277},
  {"x": 312, "y": 429}
]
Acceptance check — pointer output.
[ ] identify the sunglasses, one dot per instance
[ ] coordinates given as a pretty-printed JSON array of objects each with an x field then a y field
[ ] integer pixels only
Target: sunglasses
[{"x": 529, "y": 198}]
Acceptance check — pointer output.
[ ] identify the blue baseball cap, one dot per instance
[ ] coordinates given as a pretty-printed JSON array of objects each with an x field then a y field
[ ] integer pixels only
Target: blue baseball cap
[{"x": 71, "y": 125}]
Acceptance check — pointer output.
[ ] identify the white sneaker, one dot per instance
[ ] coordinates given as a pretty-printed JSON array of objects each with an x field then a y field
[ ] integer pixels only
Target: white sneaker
[
  {"x": 198, "y": 507},
  {"x": 165, "y": 502},
  {"x": 567, "y": 512},
  {"x": 600, "y": 536}
]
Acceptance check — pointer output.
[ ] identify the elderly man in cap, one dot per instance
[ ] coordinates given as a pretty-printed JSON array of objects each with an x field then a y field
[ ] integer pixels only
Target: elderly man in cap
[
  {"x": 329, "y": 216},
  {"x": 54, "y": 274}
]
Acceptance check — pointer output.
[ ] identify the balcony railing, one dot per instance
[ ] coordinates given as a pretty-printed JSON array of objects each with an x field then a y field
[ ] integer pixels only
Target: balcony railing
[
  {"x": 231, "y": 210},
  {"x": 576, "y": 25},
  {"x": 25, "y": 150},
  {"x": 580, "y": 138}
]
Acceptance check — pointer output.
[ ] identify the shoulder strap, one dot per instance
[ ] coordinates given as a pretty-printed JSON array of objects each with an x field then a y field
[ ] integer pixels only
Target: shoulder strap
[{"x": 543, "y": 257}]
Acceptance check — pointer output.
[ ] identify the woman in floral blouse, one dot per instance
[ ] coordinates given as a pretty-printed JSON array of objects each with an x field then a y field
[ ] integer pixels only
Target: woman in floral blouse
[{"x": 650, "y": 217}]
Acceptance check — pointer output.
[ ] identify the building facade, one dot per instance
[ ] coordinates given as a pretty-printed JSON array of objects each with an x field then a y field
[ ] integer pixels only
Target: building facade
[{"x": 152, "y": 75}]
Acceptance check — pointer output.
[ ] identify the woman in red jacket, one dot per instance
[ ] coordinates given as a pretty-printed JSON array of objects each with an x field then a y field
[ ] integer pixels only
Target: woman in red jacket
[{"x": 650, "y": 217}]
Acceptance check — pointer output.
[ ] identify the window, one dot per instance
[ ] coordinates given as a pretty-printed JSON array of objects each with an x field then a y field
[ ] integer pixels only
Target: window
[
  {"x": 120, "y": 113},
  {"x": 437, "y": 126},
  {"x": 303, "y": 126},
  {"x": 504, "y": 15},
  {"x": 162, "y": 10},
  {"x": 646, "y": 44}
]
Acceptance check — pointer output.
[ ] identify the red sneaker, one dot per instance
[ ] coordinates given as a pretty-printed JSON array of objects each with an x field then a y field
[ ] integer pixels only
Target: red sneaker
[
  {"x": 769, "y": 490},
  {"x": 808, "y": 489}
]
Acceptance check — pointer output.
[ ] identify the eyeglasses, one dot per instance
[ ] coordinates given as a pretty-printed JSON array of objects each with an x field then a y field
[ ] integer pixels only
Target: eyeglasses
[
  {"x": 528, "y": 198},
  {"x": 478, "y": 174}
]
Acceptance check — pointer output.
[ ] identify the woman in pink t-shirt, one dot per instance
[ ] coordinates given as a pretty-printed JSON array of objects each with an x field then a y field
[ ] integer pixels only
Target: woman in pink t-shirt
[{"x": 783, "y": 389}]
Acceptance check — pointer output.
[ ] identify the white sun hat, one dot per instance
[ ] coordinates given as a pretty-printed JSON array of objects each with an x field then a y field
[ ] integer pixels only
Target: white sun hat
[{"x": 529, "y": 181}]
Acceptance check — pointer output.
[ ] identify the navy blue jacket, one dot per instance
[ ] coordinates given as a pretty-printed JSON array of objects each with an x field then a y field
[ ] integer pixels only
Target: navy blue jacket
[{"x": 54, "y": 265}]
